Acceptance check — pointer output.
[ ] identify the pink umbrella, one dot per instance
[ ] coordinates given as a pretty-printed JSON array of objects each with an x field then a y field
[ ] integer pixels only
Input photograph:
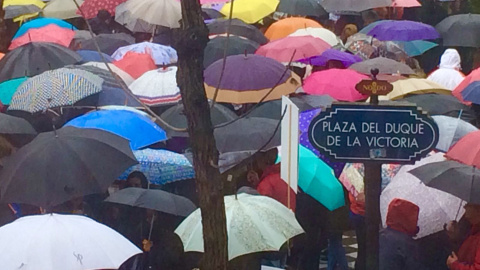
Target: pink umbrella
[
  {"x": 337, "y": 83},
  {"x": 299, "y": 47},
  {"x": 91, "y": 7},
  {"x": 49, "y": 33}
]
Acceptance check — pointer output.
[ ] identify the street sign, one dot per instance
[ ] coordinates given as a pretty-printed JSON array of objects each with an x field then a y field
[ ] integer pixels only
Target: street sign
[
  {"x": 374, "y": 87},
  {"x": 359, "y": 132}
]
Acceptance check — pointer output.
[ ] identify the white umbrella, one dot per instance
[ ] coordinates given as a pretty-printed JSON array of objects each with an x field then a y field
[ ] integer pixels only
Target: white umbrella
[
  {"x": 254, "y": 224},
  {"x": 157, "y": 87},
  {"x": 161, "y": 54},
  {"x": 127, "y": 79},
  {"x": 52, "y": 241},
  {"x": 451, "y": 130},
  {"x": 436, "y": 207},
  {"x": 156, "y": 12},
  {"x": 321, "y": 33},
  {"x": 124, "y": 17},
  {"x": 61, "y": 9}
]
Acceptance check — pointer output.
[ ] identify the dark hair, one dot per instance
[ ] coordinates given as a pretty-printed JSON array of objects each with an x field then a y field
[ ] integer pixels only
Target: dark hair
[
  {"x": 104, "y": 14},
  {"x": 139, "y": 175}
]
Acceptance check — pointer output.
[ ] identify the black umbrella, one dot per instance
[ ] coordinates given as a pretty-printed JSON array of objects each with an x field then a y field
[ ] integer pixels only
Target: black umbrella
[
  {"x": 460, "y": 30},
  {"x": 248, "y": 134},
  {"x": 302, "y": 8},
  {"x": 108, "y": 43},
  {"x": 236, "y": 45},
  {"x": 34, "y": 58},
  {"x": 384, "y": 66},
  {"x": 436, "y": 104},
  {"x": 176, "y": 117},
  {"x": 211, "y": 13},
  {"x": 12, "y": 125},
  {"x": 237, "y": 28},
  {"x": 453, "y": 177},
  {"x": 61, "y": 165},
  {"x": 155, "y": 199}
]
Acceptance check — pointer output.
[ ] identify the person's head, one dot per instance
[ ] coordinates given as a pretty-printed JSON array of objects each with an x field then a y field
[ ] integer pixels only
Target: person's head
[
  {"x": 450, "y": 59},
  {"x": 137, "y": 179},
  {"x": 104, "y": 15},
  {"x": 472, "y": 213},
  {"x": 348, "y": 30},
  {"x": 402, "y": 216},
  {"x": 369, "y": 17}
]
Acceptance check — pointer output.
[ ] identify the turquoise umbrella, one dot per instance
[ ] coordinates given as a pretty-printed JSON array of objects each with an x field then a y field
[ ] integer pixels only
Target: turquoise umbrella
[{"x": 8, "y": 88}]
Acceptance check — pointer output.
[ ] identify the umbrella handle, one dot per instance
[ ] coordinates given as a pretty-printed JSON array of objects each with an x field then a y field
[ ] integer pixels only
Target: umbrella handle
[{"x": 151, "y": 227}]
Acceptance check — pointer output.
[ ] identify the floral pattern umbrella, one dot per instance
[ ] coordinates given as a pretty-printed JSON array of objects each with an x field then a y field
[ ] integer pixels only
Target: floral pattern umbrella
[{"x": 90, "y": 8}]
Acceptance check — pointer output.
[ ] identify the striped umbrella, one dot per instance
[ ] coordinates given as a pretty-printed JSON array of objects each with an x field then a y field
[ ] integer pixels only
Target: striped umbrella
[
  {"x": 55, "y": 88},
  {"x": 157, "y": 87}
]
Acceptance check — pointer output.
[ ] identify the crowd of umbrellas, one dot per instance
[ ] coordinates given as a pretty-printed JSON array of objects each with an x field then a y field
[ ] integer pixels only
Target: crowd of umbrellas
[{"x": 93, "y": 90}]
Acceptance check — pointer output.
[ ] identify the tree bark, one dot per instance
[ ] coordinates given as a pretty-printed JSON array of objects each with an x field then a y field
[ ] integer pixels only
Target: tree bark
[
  {"x": 190, "y": 42},
  {"x": 3, "y": 30}
]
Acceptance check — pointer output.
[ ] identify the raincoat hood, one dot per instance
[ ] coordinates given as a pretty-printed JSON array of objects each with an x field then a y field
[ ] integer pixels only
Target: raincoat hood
[
  {"x": 450, "y": 59},
  {"x": 402, "y": 216}
]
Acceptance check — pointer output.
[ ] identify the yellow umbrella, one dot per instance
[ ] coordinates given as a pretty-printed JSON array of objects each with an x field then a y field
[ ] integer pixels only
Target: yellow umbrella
[
  {"x": 414, "y": 86},
  {"x": 250, "y": 11},
  {"x": 61, "y": 9},
  {"x": 16, "y": 8}
]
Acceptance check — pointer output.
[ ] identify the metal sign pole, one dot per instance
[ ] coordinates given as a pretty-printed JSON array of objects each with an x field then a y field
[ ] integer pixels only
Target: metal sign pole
[{"x": 373, "y": 185}]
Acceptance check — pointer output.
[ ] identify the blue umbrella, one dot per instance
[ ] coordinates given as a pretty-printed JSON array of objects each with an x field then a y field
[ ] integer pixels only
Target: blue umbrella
[
  {"x": 94, "y": 56},
  {"x": 472, "y": 92},
  {"x": 139, "y": 129},
  {"x": 40, "y": 22},
  {"x": 161, "y": 166},
  {"x": 8, "y": 88}
]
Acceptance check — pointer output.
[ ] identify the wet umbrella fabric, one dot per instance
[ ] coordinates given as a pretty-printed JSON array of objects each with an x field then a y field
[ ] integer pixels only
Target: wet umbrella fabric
[
  {"x": 384, "y": 66},
  {"x": 284, "y": 27},
  {"x": 15, "y": 125},
  {"x": 321, "y": 33},
  {"x": 460, "y": 30},
  {"x": 108, "y": 43},
  {"x": 236, "y": 45},
  {"x": 94, "y": 56},
  {"x": 451, "y": 130},
  {"x": 293, "y": 48},
  {"x": 15, "y": 8},
  {"x": 155, "y": 199},
  {"x": 73, "y": 241},
  {"x": 160, "y": 13},
  {"x": 250, "y": 11},
  {"x": 460, "y": 180},
  {"x": 347, "y": 59},
  {"x": 61, "y": 9},
  {"x": 466, "y": 150},
  {"x": 369, "y": 47},
  {"x": 157, "y": 87},
  {"x": 403, "y": 31},
  {"x": 34, "y": 58},
  {"x": 127, "y": 79},
  {"x": 8, "y": 88},
  {"x": 161, "y": 54},
  {"x": 61, "y": 165},
  {"x": 49, "y": 33},
  {"x": 237, "y": 28},
  {"x": 302, "y": 8},
  {"x": 90, "y": 8},
  {"x": 41, "y": 22},
  {"x": 353, "y": 5},
  {"x": 471, "y": 93},
  {"x": 414, "y": 86}
]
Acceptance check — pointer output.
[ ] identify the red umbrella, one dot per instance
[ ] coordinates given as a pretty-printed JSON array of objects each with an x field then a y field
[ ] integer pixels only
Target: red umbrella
[
  {"x": 91, "y": 7},
  {"x": 466, "y": 150},
  {"x": 49, "y": 33},
  {"x": 472, "y": 77},
  {"x": 136, "y": 64},
  {"x": 337, "y": 83},
  {"x": 299, "y": 47}
]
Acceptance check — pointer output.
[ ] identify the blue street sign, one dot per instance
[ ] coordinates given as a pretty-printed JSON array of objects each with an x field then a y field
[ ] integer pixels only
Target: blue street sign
[{"x": 359, "y": 132}]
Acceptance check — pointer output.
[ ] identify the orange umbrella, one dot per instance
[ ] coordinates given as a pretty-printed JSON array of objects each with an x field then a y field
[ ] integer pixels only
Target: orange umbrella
[
  {"x": 136, "y": 64},
  {"x": 287, "y": 26}
]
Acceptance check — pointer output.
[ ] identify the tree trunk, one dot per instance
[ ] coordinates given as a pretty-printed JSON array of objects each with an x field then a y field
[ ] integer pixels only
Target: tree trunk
[
  {"x": 3, "y": 30},
  {"x": 190, "y": 42}
]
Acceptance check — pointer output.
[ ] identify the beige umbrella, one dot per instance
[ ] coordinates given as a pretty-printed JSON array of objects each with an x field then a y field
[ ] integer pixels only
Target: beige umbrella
[
  {"x": 414, "y": 86},
  {"x": 61, "y": 9},
  {"x": 156, "y": 12},
  {"x": 127, "y": 79},
  {"x": 321, "y": 33}
]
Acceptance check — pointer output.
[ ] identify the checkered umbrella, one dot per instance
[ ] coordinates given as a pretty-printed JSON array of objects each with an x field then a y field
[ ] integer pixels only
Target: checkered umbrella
[{"x": 55, "y": 88}]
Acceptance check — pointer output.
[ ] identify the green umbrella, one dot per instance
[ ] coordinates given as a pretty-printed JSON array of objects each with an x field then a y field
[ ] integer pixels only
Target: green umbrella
[{"x": 8, "y": 88}]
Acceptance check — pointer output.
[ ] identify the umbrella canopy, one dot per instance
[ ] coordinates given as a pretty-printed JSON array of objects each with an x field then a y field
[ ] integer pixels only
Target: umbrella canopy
[
  {"x": 108, "y": 43},
  {"x": 157, "y": 87},
  {"x": 321, "y": 33},
  {"x": 347, "y": 59},
  {"x": 175, "y": 116},
  {"x": 436, "y": 207},
  {"x": 15, "y": 8},
  {"x": 136, "y": 64},
  {"x": 140, "y": 130},
  {"x": 248, "y": 134},
  {"x": 471, "y": 93},
  {"x": 41, "y": 22},
  {"x": 161, "y": 166},
  {"x": 451, "y": 130},
  {"x": 95, "y": 56},
  {"x": 403, "y": 31},
  {"x": 211, "y": 13},
  {"x": 90, "y": 8},
  {"x": 49, "y": 33},
  {"x": 125, "y": 18},
  {"x": 337, "y": 83},
  {"x": 416, "y": 47},
  {"x": 470, "y": 78},
  {"x": 15, "y": 125},
  {"x": 250, "y": 11},
  {"x": 156, "y": 12},
  {"x": 127, "y": 79},
  {"x": 384, "y": 66},
  {"x": 302, "y": 8},
  {"x": 460, "y": 30},
  {"x": 460, "y": 180},
  {"x": 334, "y": 6},
  {"x": 466, "y": 150},
  {"x": 248, "y": 79},
  {"x": 254, "y": 224},
  {"x": 287, "y": 26},
  {"x": 61, "y": 9},
  {"x": 155, "y": 199},
  {"x": 368, "y": 47},
  {"x": 237, "y": 28},
  {"x": 293, "y": 48},
  {"x": 73, "y": 241},
  {"x": 8, "y": 88},
  {"x": 161, "y": 54},
  {"x": 417, "y": 86},
  {"x": 56, "y": 88},
  {"x": 61, "y": 165},
  {"x": 353, "y": 174},
  {"x": 215, "y": 49},
  {"x": 34, "y": 58},
  {"x": 406, "y": 3}
]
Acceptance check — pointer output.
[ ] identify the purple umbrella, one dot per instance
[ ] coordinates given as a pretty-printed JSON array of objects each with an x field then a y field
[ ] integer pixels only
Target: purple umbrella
[
  {"x": 347, "y": 59},
  {"x": 304, "y": 121},
  {"x": 403, "y": 31}
]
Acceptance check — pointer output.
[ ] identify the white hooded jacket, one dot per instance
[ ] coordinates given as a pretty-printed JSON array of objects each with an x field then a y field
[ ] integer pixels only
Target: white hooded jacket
[{"x": 448, "y": 74}]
